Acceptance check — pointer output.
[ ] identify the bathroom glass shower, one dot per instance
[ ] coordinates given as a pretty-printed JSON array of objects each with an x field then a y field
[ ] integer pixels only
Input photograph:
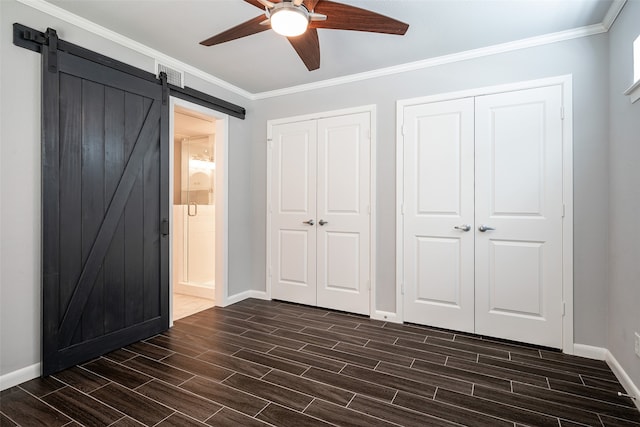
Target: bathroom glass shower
[{"x": 194, "y": 217}]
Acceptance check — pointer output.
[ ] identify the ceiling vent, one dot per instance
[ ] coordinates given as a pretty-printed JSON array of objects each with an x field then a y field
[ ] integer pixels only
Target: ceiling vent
[{"x": 174, "y": 77}]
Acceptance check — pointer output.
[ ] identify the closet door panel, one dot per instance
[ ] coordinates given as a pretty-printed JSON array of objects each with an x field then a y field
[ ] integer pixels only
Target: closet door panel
[
  {"x": 438, "y": 262},
  {"x": 293, "y": 210},
  {"x": 342, "y": 261},
  {"x": 344, "y": 157},
  {"x": 519, "y": 195},
  {"x": 438, "y": 197}
]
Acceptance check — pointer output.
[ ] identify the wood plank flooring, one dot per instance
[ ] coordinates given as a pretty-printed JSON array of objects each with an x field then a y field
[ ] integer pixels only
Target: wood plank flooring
[{"x": 267, "y": 363}]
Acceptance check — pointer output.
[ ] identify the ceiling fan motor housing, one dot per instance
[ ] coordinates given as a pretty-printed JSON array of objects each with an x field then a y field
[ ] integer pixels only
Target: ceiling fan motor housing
[{"x": 288, "y": 19}]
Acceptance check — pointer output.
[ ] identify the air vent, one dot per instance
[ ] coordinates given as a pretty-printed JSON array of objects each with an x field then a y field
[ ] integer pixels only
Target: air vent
[{"x": 174, "y": 77}]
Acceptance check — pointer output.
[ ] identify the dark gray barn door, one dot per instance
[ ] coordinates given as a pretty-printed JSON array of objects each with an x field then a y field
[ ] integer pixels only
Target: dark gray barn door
[{"x": 105, "y": 207}]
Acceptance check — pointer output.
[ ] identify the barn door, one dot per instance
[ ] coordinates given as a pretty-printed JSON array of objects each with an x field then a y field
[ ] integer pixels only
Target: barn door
[{"x": 105, "y": 209}]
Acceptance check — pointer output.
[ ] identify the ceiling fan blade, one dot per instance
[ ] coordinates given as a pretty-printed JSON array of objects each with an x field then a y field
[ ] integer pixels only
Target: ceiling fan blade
[
  {"x": 310, "y": 4},
  {"x": 307, "y": 46},
  {"x": 248, "y": 28},
  {"x": 344, "y": 17}
]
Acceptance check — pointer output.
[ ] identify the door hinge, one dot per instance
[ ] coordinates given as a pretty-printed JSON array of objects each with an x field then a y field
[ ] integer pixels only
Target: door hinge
[
  {"x": 564, "y": 308},
  {"x": 402, "y": 209},
  {"x": 402, "y": 288},
  {"x": 269, "y": 271},
  {"x": 369, "y": 285},
  {"x": 368, "y": 134},
  {"x": 564, "y": 210},
  {"x": 270, "y": 143},
  {"x": 561, "y": 113},
  {"x": 403, "y": 129}
]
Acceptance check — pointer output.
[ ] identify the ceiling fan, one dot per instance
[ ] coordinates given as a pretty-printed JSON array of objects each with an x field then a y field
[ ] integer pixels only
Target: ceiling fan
[{"x": 298, "y": 20}]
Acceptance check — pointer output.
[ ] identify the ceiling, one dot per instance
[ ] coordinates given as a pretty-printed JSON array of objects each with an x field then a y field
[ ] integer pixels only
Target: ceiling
[{"x": 266, "y": 61}]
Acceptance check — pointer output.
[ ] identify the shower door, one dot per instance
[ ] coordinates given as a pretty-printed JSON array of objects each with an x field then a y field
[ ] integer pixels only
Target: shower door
[{"x": 198, "y": 178}]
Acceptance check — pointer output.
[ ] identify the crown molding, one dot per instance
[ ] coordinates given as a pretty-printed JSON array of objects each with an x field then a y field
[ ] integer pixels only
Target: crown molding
[
  {"x": 92, "y": 27},
  {"x": 612, "y": 13},
  {"x": 58, "y": 12},
  {"x": 442, "y": 60}
]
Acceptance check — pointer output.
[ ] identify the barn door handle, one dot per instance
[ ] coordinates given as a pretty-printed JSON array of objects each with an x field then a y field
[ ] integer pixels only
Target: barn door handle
[
  {"x": 484, "y": 228},
  {"x": 164, "y": 227},
  {"x": 310, "y": 222},
  {"x": 464, "y": 227},
  {"x": 323, "y": 222}
]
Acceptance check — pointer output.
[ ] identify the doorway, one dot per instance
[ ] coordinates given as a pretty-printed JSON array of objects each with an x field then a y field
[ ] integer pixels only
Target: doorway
[{"x": 198, "y": 220}]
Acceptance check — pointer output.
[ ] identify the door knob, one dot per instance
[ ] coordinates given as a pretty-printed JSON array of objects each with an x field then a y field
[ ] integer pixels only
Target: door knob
[
  {"x": 464, "y": 227},
  {"x": 323, "y": 222},
  {"x": 484, "y": 228},
  {"x": 310, "y": 222}
]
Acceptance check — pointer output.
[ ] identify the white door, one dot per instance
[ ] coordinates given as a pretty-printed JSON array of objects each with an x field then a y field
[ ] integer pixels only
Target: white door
[
  {"x": 519, "y": 195},
  {"x": 293, "y": 212},
  {"x": 320, "y": 212},
  {"x": 439, "y": 214},
  {"x": 494, "y": 163},
  {"x": 343, "y": 227}
]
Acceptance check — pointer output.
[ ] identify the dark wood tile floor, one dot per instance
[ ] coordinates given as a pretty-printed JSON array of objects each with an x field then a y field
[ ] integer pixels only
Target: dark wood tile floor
[{"x": 260, "y": 363}]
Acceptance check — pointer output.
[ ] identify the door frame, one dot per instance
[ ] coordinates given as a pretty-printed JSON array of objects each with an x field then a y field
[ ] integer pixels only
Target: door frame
[
  {"x": 221, "y": 200},
  {"x": 566, "y": 84},
  {"x": 371, "y": 109}
]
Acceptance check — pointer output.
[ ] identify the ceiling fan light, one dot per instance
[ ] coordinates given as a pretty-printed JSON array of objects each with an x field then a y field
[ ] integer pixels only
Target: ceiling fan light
[{"x": 289, "y": 21}]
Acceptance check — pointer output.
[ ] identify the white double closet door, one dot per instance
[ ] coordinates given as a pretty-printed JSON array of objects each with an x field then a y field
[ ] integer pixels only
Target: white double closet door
[
  {"x": 483, "y": 208},
  {"x": 319, "y": 209}
]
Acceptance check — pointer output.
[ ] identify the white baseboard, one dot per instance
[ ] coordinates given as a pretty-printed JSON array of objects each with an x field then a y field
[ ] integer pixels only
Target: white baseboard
[
  {"x": 386, "y": 316},
  {"x": 631, "y": 388},
  {"x": 590, "y": 352},
  {"x": 18, "y": 377},
  {"x": 207, "y": 292},
  {"x": 600, "y": 353},
  {"x": 232, "y": 299},
  {"x": 259, "y": 295}
]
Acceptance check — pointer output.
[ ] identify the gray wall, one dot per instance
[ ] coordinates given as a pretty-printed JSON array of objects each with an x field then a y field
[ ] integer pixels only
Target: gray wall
[
  {"x": 585, "y": 58},
  {"x": 20, "y": 321},
  {"x": 624, "y": 195}
]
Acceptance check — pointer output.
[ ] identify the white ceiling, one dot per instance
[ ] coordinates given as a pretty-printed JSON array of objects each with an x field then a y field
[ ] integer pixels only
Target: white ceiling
[{"x": 266, "y": 62}]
